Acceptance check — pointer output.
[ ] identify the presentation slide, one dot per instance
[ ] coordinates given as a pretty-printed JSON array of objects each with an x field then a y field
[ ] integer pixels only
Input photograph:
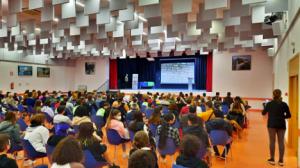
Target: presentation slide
[{"x": 177, "y": 73}]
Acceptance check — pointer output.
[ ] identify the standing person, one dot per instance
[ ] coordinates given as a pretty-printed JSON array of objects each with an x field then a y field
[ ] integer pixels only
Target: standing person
[{"x": 277, "y": 111}]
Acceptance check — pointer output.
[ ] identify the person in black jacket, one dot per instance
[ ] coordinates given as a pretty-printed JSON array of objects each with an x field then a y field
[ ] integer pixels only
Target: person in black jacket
[
  {"x": 277, "y": 111},
  {"x": 89, "y": 142},
  {"x": 189, "y": 148},
  {"x": 5, "y": 162},
  {"x": 228, "y": 100}
]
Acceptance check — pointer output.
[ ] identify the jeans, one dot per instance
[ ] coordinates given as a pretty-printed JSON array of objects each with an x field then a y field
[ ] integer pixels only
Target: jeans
[
  {"x": 227, "y": 146},
  {"x": 272, "y": 138}
]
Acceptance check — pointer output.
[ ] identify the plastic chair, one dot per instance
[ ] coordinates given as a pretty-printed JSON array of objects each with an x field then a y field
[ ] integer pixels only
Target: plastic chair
[
  {"x": 30, "y": 109},
  {"x": 165, "y": 110},
  {"x": 22, "y": 124},
  {"x": 31, "y": 153},
  {"x": 225, "y": 109},
  {"x": 176, "y": 124},
  {"x": 170, "y": 148},
  {"x": 21, "y": 108},
  {"x": 220, "y": 137},
  {"x": 149, "y": 112},
  {"x": 131, "y": 135},
  {"x": 69, "y": 113},
  {"x": 203, "y": 108},
  {"x": 114, "y": 138},
  {"x": 98, "y": 120},
  {"x": 178, "y": 166},
  {"x": 153, "y": 129},
  {"x": 41, "y": 166},
  {"x": 49, "y": 150},
  {"x": 91, "y": 162}
]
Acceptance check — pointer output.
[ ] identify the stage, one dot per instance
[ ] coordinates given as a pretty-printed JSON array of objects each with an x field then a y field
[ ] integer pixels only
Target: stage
[{"x": 172, "y": 91}]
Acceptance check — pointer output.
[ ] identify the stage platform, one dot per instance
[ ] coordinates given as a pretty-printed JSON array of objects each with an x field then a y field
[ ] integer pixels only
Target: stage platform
[{"x": 173, "y": 91}]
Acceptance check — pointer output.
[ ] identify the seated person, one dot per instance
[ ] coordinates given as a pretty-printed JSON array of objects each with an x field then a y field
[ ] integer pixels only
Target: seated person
[
  {"x": 165, "y": 130},
  {"x": 236, "y": 114},
  {"x": 6, "y": 162},
  {"x": 131, "y": 112},
  {"x": 82, "y": 115},
  {"x": 156, "y": 116},
  {"x": 142, "y": 141},
  {"x": 67, "y": 154},
  {"x": 209, "y": 113},
  {"x": 138, "y": 123},
  {"x": 184, "y": 118},
  {"x": 114, "y": 122},
  {"x": 36, "y": 133},
  {"x": 141, "y": 158},
  {"x": 89, "y": 142},
  {"x": 60, "y": 117},
  {"x": 219, "y": 123},
  {"x": 10, "y": 127},
  {"x": 61, "y": 131},
  {"x": 104, "y": 111},
  {"x": 195, "y": 127},
  {"x": 190, "y": 145},
  {"x": 47, "y": 109},
  {"x": 185, "y": 109}
]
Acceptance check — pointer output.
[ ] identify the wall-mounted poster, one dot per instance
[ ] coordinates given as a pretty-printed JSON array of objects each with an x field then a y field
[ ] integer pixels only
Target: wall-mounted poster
[
  {"x": 90, "y": 68},
  {"x": 43, "y": 72},
  {"x": 241, "y": 62},
  {"x": 24, "y": 70}
]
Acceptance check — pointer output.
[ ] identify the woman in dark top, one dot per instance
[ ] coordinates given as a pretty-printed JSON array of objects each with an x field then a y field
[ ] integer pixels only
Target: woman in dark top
[
  {"x": 277, "y": 111},
  {"x": 137, "y": 124},
  {"x": 189, "y": 148},
  {"x": 89, "y": 142}
]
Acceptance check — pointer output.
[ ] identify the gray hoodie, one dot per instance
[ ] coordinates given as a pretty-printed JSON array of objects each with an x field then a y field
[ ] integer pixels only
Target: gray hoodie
[{"x": 13, "y": 130}]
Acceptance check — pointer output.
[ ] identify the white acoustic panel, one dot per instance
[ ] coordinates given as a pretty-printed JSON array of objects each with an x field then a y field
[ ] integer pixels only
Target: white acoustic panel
[
  {"x": 47, "y": 13},
  {"x": 148, "y": 2},
  {"x": 91, "y": 6},
  {"x": 180, "y": 6},
  {"x": 152, "y": 11},
  {"x": 82, "y": 20},
  {"x": 74, "y": 30},
  {"x": 238, "y": 10},
  {"x": 15, "y": 6},
  {"x": 117, "y": 5},
  {"x": 68, "y": 10},
  {"x": 35, "y": 4},
  {"x": 11, "y": 20},
  {"x": 15, "y": 30},
  {"x": 3, "y": 30},
  {"x": 192, "y": 30},
  {"x": 126, "y": 14},
  {"x": 138, "y": 31},
  {"x": 56, "y": 2},
  {"x": 119, "y": 30},
  {"x": 214, "y": 4},
  {"x": 44, "y": 41},
  {"x": 231, "y": 21},
  {"x": 217, "y": 27},
  {"x": 276, "y": 6},
  {"x": 156, "y": 29},
  {"x": 103, "y": 17},
  {"x": 258, "y": 14},
  {"x": 245, "y": 2},
  {"x": 111, "y": 26}
]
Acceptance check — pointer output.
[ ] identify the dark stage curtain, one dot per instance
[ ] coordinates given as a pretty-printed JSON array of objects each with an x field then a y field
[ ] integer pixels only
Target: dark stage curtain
[
  {"x": 150, "y": 71},
  {"x": 141, "y": 66},
  {"x": 209, "y": 72},
  {"x": 113, "y": 74}
]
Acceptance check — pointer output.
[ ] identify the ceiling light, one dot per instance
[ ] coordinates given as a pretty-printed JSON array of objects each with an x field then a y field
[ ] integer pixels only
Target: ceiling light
[
  {"x": 3, "y": 21},
  {"x": 142, "y": 18},
  {"x": 56, "y": 20},
  {"x": 24, "y": 32},
  {"x": 178, "y": 39},
  {"x": 37, "y": 29},
  {"x": 80, "y": 4}
]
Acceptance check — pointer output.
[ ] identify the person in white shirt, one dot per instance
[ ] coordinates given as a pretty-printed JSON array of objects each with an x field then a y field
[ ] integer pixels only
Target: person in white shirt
[
  {"x": 60, "y": 117},
  {"x": 47, "y": 109},
  {"x": 36, "y": 133}
]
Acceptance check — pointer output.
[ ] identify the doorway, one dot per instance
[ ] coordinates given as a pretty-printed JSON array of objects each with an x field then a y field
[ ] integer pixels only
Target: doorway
[{"x": 293, "y": 104}]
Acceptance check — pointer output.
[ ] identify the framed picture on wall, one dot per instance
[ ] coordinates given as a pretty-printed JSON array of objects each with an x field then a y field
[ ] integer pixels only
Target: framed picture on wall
[
  {"x": 24, "y": 70},
  {"x": 43, "y": 72},
  {"x": 90, "y": 68},
  {"x": 241, "y": 62}
]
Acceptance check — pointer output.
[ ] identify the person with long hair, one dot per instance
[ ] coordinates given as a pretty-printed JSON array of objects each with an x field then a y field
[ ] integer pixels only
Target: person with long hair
[
  {"x": 277, "y": 111},
  {"x": 165, "y": 130},
  {"x": 155, "y": 117},
  {"x": 10, "y": 127},
  {"x": 138, "y": 123},
  {"x": 89, "y": 142},
  {"x": 67, "y": 154},
  {"x": 114, "y": 122}
]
